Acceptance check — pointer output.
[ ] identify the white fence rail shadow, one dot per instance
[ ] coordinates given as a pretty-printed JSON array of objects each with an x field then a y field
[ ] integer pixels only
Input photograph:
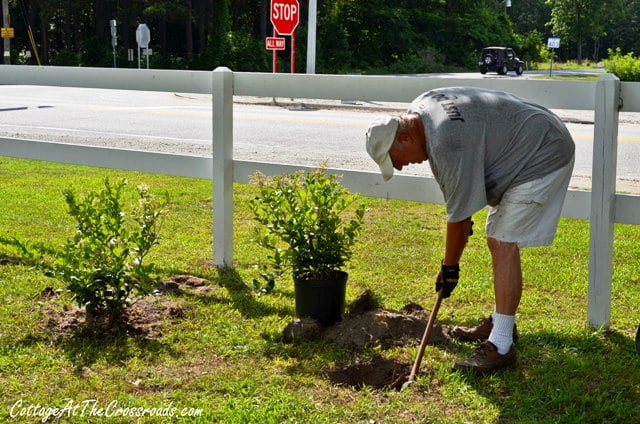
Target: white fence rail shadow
[{"x": 602, "y": 206}]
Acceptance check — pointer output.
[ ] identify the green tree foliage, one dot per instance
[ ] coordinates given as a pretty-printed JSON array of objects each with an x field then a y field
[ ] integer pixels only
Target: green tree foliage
[
  {"x": 354, "y": 36},
  {"x": 578, "y": 20}
]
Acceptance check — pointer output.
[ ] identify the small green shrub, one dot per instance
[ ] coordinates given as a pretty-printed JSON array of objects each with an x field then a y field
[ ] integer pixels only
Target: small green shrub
[
  {"x": 103, "y": 263},
  {"x": 626, "y": 67},
  {"x": 303, "y": 226}
]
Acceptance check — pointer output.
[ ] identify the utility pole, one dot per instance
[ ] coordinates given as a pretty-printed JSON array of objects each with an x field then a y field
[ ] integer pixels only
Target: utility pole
[
  {"x": 6, "y": 23},
  {"x": 311, "y": 37}
]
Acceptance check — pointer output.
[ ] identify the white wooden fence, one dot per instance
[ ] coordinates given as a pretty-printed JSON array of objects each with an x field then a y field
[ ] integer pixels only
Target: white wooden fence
[{"x": 602, "y": 206}]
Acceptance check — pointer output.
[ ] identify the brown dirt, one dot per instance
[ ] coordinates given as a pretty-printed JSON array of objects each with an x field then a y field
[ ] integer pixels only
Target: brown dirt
[
  {"x": 144, "y": 318},
  {"x": 366, "y": 325},
  {"x": 9, "y": 260},
  {"x": 378, "y": 373}
]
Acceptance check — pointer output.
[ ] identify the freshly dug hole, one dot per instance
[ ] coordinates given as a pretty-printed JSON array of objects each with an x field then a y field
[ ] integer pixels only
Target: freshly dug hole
[{"x": 378, "y": 373}]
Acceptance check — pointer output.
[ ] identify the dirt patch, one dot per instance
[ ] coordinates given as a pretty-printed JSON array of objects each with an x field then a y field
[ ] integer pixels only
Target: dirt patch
[
  {"x": 367, "y": 324},
  {"x": 378, "y": 373},
  {"x": 180, "y": 284},
  {"x": 9, "y": 260},
  {"x": 383, "y": 327},
  {"x": 144, "y": 318}
]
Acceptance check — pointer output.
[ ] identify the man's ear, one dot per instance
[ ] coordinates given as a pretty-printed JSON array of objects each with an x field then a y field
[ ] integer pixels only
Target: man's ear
[{"x": 402, "y": 137}]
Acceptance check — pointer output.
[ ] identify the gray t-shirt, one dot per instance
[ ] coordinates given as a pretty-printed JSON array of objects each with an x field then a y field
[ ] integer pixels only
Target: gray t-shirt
[{"x": 482, "y": 142}]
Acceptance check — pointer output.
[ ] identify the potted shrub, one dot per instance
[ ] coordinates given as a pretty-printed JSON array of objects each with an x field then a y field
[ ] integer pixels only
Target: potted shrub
[{"x": 308, "y": 228}]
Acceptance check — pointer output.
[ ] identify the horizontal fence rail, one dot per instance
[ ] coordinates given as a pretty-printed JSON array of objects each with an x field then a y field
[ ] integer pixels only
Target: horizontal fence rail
[{"x": 606, "y": 97}]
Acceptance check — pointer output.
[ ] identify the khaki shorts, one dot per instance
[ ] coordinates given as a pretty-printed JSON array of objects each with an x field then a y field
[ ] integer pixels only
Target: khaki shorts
[{"x": 528, "y": 214}]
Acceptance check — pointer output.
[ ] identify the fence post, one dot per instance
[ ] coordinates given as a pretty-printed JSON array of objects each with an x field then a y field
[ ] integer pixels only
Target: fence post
[
  {"x": 222, "y": 92},
  {"x": 603, "y": 191}
]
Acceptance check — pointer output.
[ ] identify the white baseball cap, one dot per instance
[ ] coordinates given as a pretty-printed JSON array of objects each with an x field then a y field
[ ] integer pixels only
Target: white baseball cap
[{"x": 380, "y": 137}]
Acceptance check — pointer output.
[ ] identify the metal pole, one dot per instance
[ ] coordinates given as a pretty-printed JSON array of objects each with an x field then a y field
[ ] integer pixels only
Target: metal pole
[
  {"x": 113, "y": 25},
  {"x": 275, "y": 55},
  {"x": 6, "y": 23},
  {"x": 293, "y": 52},
  {"x": 311, "y": 37}
]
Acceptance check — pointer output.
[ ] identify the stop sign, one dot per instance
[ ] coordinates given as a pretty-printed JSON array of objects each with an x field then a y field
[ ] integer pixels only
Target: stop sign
[{"x": 285, "y": 16}]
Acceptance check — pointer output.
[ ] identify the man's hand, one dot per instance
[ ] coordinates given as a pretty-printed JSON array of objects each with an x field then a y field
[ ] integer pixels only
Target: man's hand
[{"x": 447, "y": 278}]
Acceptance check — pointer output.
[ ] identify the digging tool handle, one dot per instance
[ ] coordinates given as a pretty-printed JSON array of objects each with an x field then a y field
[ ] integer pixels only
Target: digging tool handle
[{"x": 425, "y": 336}]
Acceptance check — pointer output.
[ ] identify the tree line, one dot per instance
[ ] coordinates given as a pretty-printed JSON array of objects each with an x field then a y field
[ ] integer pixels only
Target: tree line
[{"x": 353, "y": 36}]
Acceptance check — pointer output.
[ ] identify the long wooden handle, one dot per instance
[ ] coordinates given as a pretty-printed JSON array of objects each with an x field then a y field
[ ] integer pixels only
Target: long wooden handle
[{"x": 425, "y": 336}]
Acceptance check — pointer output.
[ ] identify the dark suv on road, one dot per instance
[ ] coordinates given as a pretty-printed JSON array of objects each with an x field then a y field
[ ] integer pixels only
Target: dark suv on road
[{"x": 500, "y": 60}]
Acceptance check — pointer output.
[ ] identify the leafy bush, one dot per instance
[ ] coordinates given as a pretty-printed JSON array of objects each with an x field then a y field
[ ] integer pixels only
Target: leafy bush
[
  {"x": 303, "y": 225},
  {"x": 626, "y": 67},
  {"x": 532, "y": 47},
  {"x": 104, "y": 261}
]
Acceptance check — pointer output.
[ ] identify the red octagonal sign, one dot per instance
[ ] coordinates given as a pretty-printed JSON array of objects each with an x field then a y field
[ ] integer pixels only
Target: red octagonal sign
[{"x": 285, "y": 16}]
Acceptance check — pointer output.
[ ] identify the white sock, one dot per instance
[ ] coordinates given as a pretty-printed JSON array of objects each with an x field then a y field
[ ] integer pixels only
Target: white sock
[{"x": 502, "y": 333}]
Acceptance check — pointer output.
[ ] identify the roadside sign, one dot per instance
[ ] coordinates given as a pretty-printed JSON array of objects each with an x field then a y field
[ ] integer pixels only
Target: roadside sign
[
  {"x": 275, "y": 43},
  {"x": 143, "y": 36},
  {"x": 553, "y": 43},
  {"x": 7, "y": 32},
  {"x": 285, "y": 16}
]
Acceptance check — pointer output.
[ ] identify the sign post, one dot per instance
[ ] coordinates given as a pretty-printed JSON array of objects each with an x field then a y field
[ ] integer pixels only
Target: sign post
[
  {"x": 311, "y": 37},
  {"x": 7, "y": 32},
  {"x": 114, "y": 38},
  {"x": 285, "y": 16},
  {"x": 143, "y": 36},
  {"x": 553, "y": 43}
]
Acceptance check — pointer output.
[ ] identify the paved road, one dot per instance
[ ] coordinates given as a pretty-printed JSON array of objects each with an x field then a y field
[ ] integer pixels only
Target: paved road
[{"x": 181, "y": 123}]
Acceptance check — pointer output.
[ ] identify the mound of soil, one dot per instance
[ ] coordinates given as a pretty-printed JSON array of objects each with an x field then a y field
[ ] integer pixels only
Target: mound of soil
[
  {"x": 180, "y": 284},
  {"x": 144, "y": 318},
  {"x": 367, "y": 324},
  {"x": 378, "y": 373},
  {"x": 383, "y": 327}
]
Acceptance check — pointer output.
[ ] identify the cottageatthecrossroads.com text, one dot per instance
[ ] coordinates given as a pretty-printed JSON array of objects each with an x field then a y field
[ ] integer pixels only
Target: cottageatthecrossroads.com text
[{"x": 91, "y": 408}]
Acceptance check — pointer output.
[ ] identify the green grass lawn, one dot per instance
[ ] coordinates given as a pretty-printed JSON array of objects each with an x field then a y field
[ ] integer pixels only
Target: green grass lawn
[{"x": 225, "y": 359}]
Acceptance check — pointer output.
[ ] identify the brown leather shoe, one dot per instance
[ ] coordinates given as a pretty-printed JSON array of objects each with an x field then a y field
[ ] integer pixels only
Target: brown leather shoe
[
  {"x": 479, "y": 333},
  {"x": 486, "y": 359}
]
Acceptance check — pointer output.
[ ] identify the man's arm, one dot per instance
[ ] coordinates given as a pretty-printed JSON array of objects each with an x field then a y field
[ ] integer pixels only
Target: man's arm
[{"x": 457, "y": 236}]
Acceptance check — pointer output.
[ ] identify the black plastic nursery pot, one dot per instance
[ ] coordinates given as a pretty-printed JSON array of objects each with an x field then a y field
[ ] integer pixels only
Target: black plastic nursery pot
[
  {"x": 638, "y": 340},
  {"x": 322, "y": 300}
]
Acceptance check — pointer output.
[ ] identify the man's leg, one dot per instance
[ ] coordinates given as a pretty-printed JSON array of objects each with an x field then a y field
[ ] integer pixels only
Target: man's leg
[
  {"x": 498, "y": 352},
  {"x": 507, "y": 283},
  {"x": 507, "y": 275}
]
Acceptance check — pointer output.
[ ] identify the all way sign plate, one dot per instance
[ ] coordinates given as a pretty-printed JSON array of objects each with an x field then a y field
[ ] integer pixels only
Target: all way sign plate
[{"x": 275, "y": 43}]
